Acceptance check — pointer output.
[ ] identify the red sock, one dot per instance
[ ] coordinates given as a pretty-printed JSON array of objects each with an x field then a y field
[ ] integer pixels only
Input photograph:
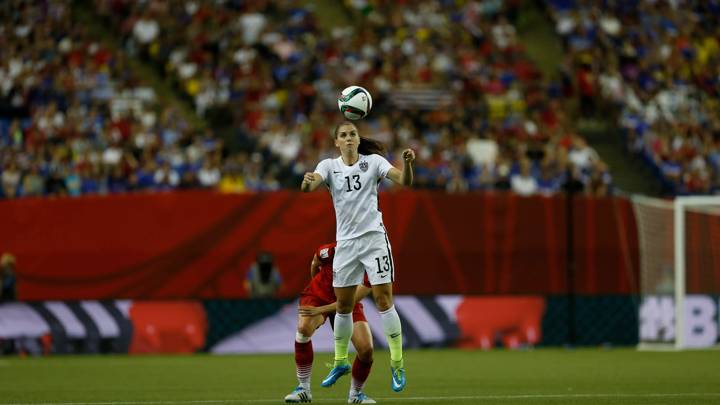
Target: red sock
[
  {"x": 360, "y": 372},
  {"x": 303, "y": 362}
]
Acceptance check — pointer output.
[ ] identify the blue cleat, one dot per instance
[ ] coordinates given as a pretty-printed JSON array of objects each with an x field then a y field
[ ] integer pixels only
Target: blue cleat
[
  {"x": 335, "y": 374},
  {"x": 398, "y": 379}
]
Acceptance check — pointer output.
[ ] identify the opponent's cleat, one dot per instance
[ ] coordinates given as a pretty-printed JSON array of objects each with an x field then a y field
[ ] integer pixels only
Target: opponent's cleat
[
  {"x": 298, "y": 395},
  {"x": 398, "y": 379},
  {"x": 360, "y": 398},
  {"x": 335, "y": 374}
]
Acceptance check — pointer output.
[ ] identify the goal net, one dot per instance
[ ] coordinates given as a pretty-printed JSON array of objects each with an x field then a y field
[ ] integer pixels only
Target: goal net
[{"x": 679, "y": 243}]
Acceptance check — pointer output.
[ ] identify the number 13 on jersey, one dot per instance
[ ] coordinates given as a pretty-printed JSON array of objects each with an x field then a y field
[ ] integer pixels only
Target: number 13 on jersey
[
  {"x": 385, "y": 266},
  {"x": 353, "y": 184}
]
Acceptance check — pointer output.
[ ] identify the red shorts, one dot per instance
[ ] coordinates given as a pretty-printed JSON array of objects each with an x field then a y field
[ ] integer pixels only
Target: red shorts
[{"x": 313, "y": 301}]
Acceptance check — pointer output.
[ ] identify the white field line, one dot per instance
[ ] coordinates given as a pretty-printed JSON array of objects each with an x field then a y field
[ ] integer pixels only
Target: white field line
[{"x": 398, "y": 398}]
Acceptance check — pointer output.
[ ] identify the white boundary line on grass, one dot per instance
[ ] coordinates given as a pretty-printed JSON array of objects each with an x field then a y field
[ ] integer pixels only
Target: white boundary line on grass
[{"x": 398, "y": 398}]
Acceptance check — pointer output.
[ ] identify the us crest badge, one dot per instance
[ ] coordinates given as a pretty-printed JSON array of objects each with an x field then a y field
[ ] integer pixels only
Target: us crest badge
[{"x": 364, "y": 166}]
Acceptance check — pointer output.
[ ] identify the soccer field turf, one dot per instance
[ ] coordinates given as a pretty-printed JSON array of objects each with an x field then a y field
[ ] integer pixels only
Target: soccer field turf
[{"x": 543, "y": 376}]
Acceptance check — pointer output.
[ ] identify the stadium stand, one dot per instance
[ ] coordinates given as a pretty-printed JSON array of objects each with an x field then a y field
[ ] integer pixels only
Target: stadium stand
[
  {"x": 657, "y": 63},
  {"x": 76, "y": 119},
  {"x": 453, "y": 82}
]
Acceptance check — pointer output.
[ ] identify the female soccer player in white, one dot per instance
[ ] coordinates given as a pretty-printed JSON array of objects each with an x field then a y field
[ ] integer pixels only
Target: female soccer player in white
[{"x": 362, "y": 243}]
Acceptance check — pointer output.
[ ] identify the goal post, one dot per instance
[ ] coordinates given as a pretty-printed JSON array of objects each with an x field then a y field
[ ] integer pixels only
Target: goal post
[{"x": 672, "y": 233}]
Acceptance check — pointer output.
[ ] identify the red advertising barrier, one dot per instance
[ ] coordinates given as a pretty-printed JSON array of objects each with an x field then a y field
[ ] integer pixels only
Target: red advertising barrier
[
  {"x": 167, "y": 327},
  {"x": 200, "y": 244},
  {"x": 516, "y": 321}
]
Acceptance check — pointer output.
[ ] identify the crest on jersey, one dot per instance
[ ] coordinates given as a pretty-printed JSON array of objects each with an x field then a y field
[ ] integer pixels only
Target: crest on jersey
[
  {"x": 364, "y": 166},
  {"x": 324, "y": 253}
]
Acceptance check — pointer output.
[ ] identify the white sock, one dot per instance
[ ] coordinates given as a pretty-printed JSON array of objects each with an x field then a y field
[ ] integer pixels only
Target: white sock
[
  {"x": 393, "y": 334},
  {"x": 300, "y": 338},
  {"x": 343, "y": 333},
  {"x": 303, "y": 376}
]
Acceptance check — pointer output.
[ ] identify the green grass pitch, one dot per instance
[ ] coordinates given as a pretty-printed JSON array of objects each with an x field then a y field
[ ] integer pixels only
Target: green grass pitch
[{"x": 542, "y": 376}]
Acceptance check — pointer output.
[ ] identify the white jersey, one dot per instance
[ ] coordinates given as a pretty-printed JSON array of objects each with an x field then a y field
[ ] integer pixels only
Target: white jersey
[{"x": 354, "y": 192}]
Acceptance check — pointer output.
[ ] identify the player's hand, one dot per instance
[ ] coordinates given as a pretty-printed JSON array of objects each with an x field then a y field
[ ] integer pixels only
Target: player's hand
[
  {"x": 307, "y": 183},
  {"x": 309, "y": 311},
  {"x": 308, "y": 178},
  {"x": 408, "y": 155}
]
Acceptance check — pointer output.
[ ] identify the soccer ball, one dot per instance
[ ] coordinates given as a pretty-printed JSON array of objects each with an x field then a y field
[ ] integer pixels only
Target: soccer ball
[{"x": 355, "y": 102}]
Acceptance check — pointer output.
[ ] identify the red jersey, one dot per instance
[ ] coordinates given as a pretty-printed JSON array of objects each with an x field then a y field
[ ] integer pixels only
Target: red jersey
[{"x": 321, "y": 285}]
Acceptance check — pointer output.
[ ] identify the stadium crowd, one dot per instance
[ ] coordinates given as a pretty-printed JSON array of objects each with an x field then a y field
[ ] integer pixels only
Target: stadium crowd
[
  {"x": 77, "y": 119},
  {"x": 658, "y": 63},
  {"x": 451, "y": 81}
]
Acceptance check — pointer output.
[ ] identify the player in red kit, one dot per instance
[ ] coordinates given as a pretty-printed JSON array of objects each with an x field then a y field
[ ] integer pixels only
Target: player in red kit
[{"x": 317, "y": 301}]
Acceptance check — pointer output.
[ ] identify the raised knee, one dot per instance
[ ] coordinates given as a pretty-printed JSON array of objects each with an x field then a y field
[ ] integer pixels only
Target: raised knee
[{"x": 306, "y": 329}]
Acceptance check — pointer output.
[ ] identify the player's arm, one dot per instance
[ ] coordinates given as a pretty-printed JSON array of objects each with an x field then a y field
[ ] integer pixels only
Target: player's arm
[
  {"x": 404, "y": 176},
  {"x": 314, "y": 265},
  {"x": 310, "y": 182},
  {"x": 312, "y": 311},
  {"x": 360, "y": 293}
]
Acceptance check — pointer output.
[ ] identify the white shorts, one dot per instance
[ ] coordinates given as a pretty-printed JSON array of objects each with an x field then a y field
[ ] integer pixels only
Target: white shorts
[{"x": 369, "y": 253}]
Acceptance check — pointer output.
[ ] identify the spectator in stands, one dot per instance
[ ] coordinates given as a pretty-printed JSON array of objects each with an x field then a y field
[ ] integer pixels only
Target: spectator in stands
[
  {"x": 581, "y": 154},
  {"x": 146, "y": 29},
  {"x": 209, "y": 174},
  {"x": 11, "y": 180},
  {"x": 7, "y": 278},
  {"x": 33, "y": 185},
  {"x": 503, "y": 175},
  {"x": 574, "y": 183},
  {"x": 166, "y": 178},
  {"x": 456, "y": 183},
  {"x": 263, "y": 278},
  {"x": 548, "y": 182},
  {"x": 657, "y": 62},
  {"x": 599, "y": 181},
  {"x": 524, "y": 183},
  {"x": 232, "y": 182}
]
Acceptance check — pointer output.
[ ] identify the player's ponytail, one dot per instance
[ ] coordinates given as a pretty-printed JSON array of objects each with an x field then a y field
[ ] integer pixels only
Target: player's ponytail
[
  {"x": 371, "y": 147},
  {"x": 367, "y": 146}
]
